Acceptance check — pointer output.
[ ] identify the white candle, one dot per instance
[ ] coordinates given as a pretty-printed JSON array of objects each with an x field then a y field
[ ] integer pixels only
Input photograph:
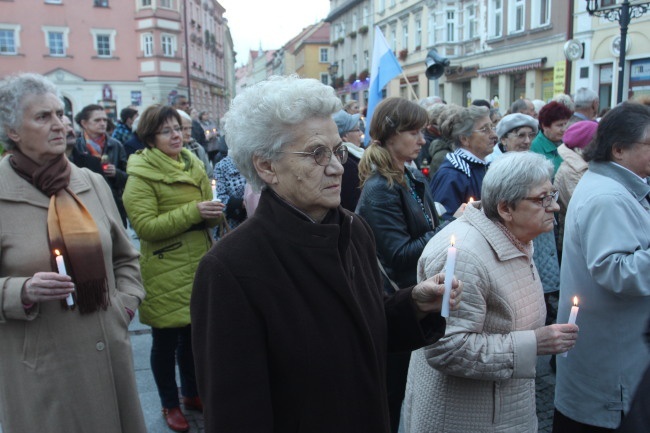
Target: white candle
[
  {"x": 572, "y": 316},
  {"x": 214, "y": 191},
  {"x": 60, "y": 265},
  {"x": 471, "y": 200},
  {"x": 449, "y": 277}
]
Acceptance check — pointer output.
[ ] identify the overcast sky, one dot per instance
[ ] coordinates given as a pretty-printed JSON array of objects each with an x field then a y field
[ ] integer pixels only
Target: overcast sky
[{"x": 272, "y": 23}]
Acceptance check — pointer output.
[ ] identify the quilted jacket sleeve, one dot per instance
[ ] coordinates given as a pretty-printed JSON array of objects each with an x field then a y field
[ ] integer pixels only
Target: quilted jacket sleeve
[{"x": 467, "y": 350}]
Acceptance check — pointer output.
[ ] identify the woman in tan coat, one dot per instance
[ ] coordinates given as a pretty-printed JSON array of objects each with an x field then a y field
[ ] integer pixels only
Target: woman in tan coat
[{"x": 66, "y": 363}]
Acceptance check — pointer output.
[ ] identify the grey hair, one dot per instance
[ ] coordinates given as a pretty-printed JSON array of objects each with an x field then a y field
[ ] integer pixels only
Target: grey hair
[
  {"x": 265, "y": 117},
  {"x": 184, "y": 115},
  {"x": 510, "y": 179},
  {"x": 584, "y": 97},
  {"x": 13, "y": 90},
  {"x": 456, "y": 122},
  {"x": 430, "y": 101}
]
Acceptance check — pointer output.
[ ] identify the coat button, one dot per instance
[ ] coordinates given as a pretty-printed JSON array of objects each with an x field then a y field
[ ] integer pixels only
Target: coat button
[{"x": 100, "y": 345}]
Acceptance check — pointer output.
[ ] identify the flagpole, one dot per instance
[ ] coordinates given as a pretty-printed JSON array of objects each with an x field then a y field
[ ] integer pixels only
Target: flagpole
[{"x": 415, "y": 97}]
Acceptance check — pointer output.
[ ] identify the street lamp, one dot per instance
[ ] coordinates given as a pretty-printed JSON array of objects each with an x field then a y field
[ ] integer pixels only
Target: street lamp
[
  {"x": 333, "y": 69},
  {"x": 623, "y": 14}
]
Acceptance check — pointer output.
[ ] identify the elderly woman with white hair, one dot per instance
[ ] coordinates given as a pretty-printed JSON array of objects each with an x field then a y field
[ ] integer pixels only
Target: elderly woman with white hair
[
  {"x": 191, "y": 144},
  {"x": 290, "y": 324},
  {"x": 480, "y": 377}
]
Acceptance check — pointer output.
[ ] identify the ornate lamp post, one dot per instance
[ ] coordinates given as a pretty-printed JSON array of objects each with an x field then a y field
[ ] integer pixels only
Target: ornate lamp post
[
  {"x": 333, "y": 69},
  {"x": 622, "y": 13}
]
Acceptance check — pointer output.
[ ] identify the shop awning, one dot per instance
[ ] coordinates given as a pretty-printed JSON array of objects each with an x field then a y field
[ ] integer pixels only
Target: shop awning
[{"x": 512, "y": 67}]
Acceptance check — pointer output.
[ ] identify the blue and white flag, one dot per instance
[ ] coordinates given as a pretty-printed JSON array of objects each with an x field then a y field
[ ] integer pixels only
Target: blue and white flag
[{"x": 385, "y": 67}]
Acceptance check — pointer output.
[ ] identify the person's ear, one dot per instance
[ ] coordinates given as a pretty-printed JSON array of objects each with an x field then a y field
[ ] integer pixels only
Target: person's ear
[
  {"x": 265, "y": 170},
  {"x": 13, "y": 134},
  {"x": 505, "y": 211},
  {"x": 617, "y": 153}
]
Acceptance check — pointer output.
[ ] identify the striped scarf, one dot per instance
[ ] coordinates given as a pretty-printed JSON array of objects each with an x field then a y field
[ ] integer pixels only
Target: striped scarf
[{"x": 71, "y": 230}]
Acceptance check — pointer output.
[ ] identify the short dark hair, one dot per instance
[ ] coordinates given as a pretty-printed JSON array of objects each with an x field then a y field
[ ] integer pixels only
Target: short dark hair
[
  {"x": 622, "y": 127},
  {"x": 176, "y": 99},
  {"x": 127, "y": 113},
  {"x": 84, "y": 114},
  {"x": 519, "y": 106},
  {"x": 552, "y": 112},
  {"x": 152, "y": 119},
  {"x": 481, "y": 103}
]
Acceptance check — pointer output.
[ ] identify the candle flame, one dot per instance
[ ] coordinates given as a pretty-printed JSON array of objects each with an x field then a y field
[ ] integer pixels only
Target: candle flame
[
  {"x": 453, "y": 240},
  {"x": 471, "y": 200},
  {"x": 214, "y": 183},
  {"x": 57, "y": 252},
  {"x": 575, "y": 301}
]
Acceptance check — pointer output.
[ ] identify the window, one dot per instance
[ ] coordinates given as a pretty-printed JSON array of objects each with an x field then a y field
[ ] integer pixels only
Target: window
[
  {"x": 393, "y": 39},
  {"x": 101, "y": 3},
  {"x": 147, "y": 44},
  {"x": 418, "y": 33},
  {"x": 9, "y": 39},
  {"x": 53, "y": 2},
  {"x": 145, "y": 3},
  {"x": 405, "y": 36},
  {"x": 168, "y": 4},
  {"x": 104, "y": 42},
  {"x": 324, "y": 55},
  {"x": 392, "y": 3},
  {"x": 56, "y": 43},
  {"x": 517, "y": 16},
  {"x": 325, "y": 78},
  {"x": 366, "y": 15},
  {"x": 382, "y": 6},
  {"x": 495, "y": 24},
  {"x": 168, "y": 43},
  {"x": 354, "y": 63},
  {"x": 471, "y": 24},
  {"x": 366, "y": 59},
  {"x": 450, "y": 26},
  {"x": 541, "y": 13},
  {"x": 355, "y": 23},
  {"x": 431, "y": 30}
]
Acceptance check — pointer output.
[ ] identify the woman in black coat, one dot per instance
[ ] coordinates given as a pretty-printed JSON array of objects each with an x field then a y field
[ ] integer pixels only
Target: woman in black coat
[
  {"x": 398, "y": 206},
  {"x": 290, "y": 323}
]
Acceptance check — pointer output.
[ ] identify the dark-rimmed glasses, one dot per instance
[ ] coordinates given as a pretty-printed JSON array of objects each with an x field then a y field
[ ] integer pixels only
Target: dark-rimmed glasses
[
  {"x": 545, "y": 201},
  {"x": 323, "y": 154}
]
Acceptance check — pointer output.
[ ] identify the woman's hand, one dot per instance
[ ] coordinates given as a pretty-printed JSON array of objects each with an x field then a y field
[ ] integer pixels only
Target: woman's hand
[
  {"x": 210, "y": 209},
  {"x": 45, "y": 287},
  {"x": 460, "y": 210},
  {"x": 428, "y": 294},
  {"x": 557, "y": 338}
]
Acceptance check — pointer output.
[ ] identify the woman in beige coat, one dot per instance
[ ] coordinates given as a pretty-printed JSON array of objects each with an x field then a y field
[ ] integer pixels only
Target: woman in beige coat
[
  {"x": 65, "y": 366},
  {"x": 480, "y": 377}
]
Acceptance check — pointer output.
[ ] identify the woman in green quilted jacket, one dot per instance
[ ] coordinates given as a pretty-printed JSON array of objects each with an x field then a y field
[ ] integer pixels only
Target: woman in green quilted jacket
[{"x": 169, "y": 203}]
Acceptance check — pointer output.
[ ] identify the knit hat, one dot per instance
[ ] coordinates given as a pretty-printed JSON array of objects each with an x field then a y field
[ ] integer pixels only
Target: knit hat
[
  {"x": 345, "y": 121},
  {"x": 513, "y": 121},
  {"x": 580, "y": 134}
]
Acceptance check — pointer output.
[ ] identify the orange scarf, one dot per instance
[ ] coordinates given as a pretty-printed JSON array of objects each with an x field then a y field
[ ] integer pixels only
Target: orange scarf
[{"x": 71, "y": 230}]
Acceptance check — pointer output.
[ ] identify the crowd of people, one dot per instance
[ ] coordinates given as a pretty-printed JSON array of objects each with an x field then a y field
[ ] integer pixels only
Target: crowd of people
[{"x": 288, "y": 270}]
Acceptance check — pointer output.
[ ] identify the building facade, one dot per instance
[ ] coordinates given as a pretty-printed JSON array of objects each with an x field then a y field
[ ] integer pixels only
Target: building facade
[{"x": 116, "y": 52}]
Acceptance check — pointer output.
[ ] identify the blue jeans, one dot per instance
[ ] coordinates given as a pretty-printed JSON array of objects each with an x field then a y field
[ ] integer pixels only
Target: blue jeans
[{"x": 171, "y": 345}]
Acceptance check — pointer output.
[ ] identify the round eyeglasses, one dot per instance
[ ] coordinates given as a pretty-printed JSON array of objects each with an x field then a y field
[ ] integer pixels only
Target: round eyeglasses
[
  {"x": 546, "y": 200},
  {"x": 323, "y": 154}
]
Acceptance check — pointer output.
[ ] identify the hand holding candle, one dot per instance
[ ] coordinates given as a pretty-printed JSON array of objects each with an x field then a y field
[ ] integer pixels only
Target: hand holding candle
[
  {"x": 214, "y": 191},
  {"x": 572, "y": 316},
  {"x": 60, "y": 265},
  {"x": 450, "y": 266}
]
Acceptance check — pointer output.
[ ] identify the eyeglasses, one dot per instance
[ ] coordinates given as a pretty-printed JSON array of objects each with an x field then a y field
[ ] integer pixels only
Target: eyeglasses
[
  {"x": 169, "y": 131},
  {"x": 486, "y": 129},
  {"x": 545, "y": 201},
  {"x": 522, "y": 135},
  {"x": 323, "y": 154}
]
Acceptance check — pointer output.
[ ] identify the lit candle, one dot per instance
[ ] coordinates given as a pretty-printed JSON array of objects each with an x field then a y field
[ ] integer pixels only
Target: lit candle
[
  {"x": 60, "y": 265},
  {"x": 572, "y": 316},
  {"x": 471, "y": 200},
  {"x": 449, "y": 277},
  {"x": 214, "y": 191}
]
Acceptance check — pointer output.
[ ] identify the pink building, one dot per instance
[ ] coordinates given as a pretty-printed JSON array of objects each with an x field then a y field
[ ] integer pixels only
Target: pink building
[{"x": 115, "y": 52}]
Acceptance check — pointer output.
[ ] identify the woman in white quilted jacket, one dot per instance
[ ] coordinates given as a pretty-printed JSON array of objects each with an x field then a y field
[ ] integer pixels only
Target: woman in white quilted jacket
[{"x": 480, "y": 377}]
